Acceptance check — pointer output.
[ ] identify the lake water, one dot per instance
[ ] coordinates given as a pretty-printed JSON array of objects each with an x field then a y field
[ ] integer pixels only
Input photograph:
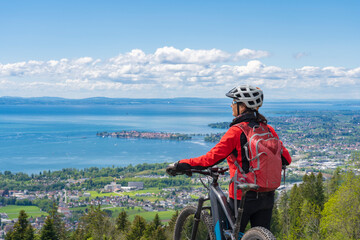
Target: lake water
[{"x": 36, "y": 137}]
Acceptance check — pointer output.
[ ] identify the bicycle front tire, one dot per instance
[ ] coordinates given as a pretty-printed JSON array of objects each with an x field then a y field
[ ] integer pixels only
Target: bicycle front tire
[
  {"x": 185, "y": 221},
  {"x": 258, "y": 233}
]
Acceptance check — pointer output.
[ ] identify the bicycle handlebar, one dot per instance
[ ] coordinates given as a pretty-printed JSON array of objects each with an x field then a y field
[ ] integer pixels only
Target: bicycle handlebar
[{"x": 209, "y": 171}]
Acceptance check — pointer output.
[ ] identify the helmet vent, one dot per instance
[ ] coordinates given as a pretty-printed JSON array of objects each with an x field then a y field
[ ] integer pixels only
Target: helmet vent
[
  {"x": 251, "y": 102},
  {"x": 255, "y": 94},
  {"x": 246, "y": 95},
  {"x": 243, "y": 89}
]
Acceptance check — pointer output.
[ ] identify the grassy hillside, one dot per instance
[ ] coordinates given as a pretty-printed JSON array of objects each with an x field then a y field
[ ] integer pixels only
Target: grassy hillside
[{"x": 13, "y": 211}]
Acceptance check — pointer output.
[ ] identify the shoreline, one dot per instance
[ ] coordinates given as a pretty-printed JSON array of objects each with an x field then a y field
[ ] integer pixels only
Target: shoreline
[{"x": 145, "y": 135}]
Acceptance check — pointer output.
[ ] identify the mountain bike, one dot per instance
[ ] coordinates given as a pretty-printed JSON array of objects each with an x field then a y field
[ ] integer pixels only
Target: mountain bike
[{"x": 217, "y": 221}]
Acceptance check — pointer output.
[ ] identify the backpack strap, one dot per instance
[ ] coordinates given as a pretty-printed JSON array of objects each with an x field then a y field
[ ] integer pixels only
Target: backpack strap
[
  {"x": 246, "y": 150},
  {"x": 244, "y": 128}
]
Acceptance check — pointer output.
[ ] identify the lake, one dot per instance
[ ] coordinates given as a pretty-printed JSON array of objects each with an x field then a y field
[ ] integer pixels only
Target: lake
[{"x": 53, "y": 134}]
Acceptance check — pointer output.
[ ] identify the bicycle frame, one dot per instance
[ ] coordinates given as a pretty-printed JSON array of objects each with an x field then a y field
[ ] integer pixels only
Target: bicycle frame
[
  {"x": 225, "y": 225},
  {"x": 223, "y": 219}
]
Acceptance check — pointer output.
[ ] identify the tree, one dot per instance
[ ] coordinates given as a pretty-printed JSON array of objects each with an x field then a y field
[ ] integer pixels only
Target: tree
[
  {"x": 137, "y": 228},
  {"x": 59, "y": 225},
  {"x": 341, "y": 214},
  {"x": 295, "y": 205},
  {"x": 355, "y": 160},
  {"x": 334, "y": 182},
  {"x": 157, "y": 221},
  {"x": 319, "y": 192},
  {"x": 306, "y": 203},
  {"x": 275, "y": 226},
  {"x": 22, "y": 229},
  {"x": 169, "y": 230},
  {"x": 48, "y": 230},
  {"x": 96, "y": 225},
  {"x": 312, "y": 189},
  {"x": 173, "y": 221},
  {"x": 6, "y": 192},
  {"x": 122, "y": 222},
  {"x": 284, "y": 218},
  {"x": 310, "y": 216},
  {"x": 159, "y": 233},
  {"x": 154, "y": 230}
]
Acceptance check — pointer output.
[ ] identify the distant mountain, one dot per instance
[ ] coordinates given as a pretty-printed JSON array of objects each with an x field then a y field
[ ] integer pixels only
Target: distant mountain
[{"x": 103, "y": 100}]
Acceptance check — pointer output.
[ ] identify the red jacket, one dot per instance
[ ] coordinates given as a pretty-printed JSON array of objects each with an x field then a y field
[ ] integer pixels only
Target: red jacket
[{"x": 227, "y": 144}]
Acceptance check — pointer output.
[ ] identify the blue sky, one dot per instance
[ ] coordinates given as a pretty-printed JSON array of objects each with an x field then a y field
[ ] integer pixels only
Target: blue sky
[{"x": 291, "y": 49}]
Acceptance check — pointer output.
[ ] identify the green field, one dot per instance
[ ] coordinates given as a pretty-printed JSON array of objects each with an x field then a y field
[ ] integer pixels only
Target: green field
[
  {"x": 165, "y": 216},
  {"x": 78, "y": 208},
  {"x": 95, "y": 194},
  {"x": 13, "y": 211}
]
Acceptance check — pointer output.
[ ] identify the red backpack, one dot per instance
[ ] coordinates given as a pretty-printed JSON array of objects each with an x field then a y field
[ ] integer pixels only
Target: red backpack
[{"x": 263, "y": 150}]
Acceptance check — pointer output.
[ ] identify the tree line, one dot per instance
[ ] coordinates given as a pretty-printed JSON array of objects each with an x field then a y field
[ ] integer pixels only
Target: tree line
[
  {"x": 91, "y": 172},
  {"x": 95, "y": 224},
  {"x": 56, "y": 180}
]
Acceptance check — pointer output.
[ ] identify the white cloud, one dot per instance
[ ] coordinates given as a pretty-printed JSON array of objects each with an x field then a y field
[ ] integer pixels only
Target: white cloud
[
  {"x": 251, "y": 54},
  {"x": 168, "y": 72},
  {"x": 300, "y": 55},
  {"x": 83, "y": 60},
  {"x": 135, "y": 56},
  {"x": 176, "y": 56}
]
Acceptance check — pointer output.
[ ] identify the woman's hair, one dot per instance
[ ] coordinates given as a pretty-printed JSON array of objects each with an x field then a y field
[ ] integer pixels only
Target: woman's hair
[{"x": 259, "y": 117}]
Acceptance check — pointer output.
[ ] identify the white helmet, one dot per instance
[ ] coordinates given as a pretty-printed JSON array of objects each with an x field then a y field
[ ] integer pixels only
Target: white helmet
[{"x": 252, "y": 96}]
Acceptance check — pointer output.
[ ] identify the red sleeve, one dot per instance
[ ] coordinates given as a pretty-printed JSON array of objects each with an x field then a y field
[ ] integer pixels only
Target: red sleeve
[
  {"x": 285, "y": 152},
  {"x": 221, "y": 150}
]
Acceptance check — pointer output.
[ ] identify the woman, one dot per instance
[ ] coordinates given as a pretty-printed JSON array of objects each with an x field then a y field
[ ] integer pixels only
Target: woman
[{"x": 232, "y": 146}]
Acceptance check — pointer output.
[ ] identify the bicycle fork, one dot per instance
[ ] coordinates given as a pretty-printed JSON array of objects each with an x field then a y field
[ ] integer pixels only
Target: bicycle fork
[
  {"x": 239, "y": 214},
  {"x": 197, "y": 217}
]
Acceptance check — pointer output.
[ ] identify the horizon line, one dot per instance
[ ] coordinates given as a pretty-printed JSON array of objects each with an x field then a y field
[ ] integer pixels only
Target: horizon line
[{"x": 159, "y": 98}]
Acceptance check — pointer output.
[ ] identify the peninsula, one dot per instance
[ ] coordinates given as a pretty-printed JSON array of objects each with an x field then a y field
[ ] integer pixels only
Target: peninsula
[{"x": 146, "y": 135}]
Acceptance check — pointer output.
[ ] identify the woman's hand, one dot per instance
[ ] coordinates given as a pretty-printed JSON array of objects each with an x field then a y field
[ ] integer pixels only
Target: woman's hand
[
  {"x": 178, "y": 168},
  {"x": 171, "y": 169}
]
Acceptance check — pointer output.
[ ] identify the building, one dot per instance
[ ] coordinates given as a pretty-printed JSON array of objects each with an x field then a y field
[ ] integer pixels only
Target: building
[
  {"x": 65, "y": 211},
  {"x": 86, "y": 194},
  {"x": 112, "y": 187},
  {"x": 8, "y": 228},
  {"x": 127, "y": 189},
  {"x": 137, "y": 185}
]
